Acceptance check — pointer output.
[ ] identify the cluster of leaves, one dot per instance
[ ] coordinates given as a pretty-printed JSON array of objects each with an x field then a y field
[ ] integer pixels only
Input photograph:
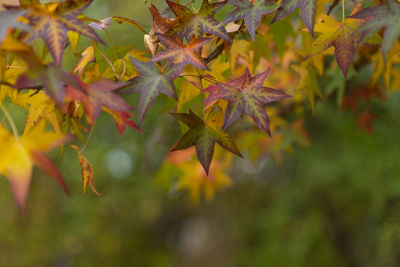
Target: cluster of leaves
[{"x": 201, "y": 63}]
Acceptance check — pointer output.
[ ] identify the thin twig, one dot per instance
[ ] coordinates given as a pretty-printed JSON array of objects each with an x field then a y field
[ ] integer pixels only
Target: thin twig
[
  {"x": 107, "y": 59},
  {"x": 89, "y": 137},
  {"x": 332, "y": 6},
  {"x": 34, "y": 87},
  {"x": 112, "y": 44},
  {"x": 211, "y": 80}
]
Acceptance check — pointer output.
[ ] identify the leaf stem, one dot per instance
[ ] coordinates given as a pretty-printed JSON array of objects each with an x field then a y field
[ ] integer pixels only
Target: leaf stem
[
  {"x": 342, "y": 11},
  {"x": 108, "y": 61},
  {"x": 112, "y": 44},
  {"x": 200, "y": 77},
  {"x": 89, "y": 137},
  {"x": 10, "y": 120}
]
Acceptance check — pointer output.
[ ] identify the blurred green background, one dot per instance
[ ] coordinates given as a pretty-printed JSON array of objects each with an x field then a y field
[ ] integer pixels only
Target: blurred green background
[{"x": 335, "y": 203}]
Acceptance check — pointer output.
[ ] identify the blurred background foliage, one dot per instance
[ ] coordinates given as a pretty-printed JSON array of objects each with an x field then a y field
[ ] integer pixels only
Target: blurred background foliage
[{"x": 335, "y": 202}]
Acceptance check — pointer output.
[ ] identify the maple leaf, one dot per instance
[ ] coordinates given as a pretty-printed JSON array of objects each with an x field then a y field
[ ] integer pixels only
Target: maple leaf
[
  {"x": 151, "y": 82},
  {"x": 308, "y": 82},
  {"x": 184, "y": 172},
  {"x": 52, "y": 21},
  {"x": 72, "y": 113},
  {"x": 190, "y": 24},
  {"x": 387, "y": 68},
  {"x": 50, "y": 77},
  {"x": 180, "y": 53},
  {"x": 359, "y": 102},
  {"x": 86, "y": 172},
  {"x": 307, "y": 11},
  {"x": 122, "y": 119},
  {"x": 97, "y": 95},
  {"x": 364, "y": 95},
  {"x": 194, "y": 180},
  {"x": 39, "y": 106},
  {"x": 384, "y": 15},
  {"x": 203, "y": 136},
  {"x": 87, "y": 57},
  {"x": 342, "y": 36},
  {"x": 245, "y": 94},
  {"x": 159, "y": 23},
  {"x": 19, "y": 154},
  {"x": 251, "y": 12},
  {"x": 8, "y": 19}
]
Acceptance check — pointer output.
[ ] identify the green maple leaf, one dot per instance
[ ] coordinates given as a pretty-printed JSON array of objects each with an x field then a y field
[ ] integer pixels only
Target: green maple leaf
[
  {"x": 386, "y": 15},
  {"x": 203, "y": 136},
  {"x": 179, "y": 53},
  {"x": 245, "y": 94},
  {"x": 251, "y": 12},
  {"x": 307, "y": 11},
  {"x": 190, "y": 24},
  {"x": 52, "y": 21},
  {"x": 150, "y": 83}
]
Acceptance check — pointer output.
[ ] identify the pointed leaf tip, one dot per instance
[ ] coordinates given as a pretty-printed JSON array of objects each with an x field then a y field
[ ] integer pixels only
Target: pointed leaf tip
[
  {"x": 203, "y": 136},
  {"x": 246, "y": 94}
]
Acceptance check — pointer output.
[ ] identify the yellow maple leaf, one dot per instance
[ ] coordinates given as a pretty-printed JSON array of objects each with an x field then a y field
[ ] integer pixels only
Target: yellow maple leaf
[
  {"x": 308, "y": 82},
  {"x": 240, "y": 57},
  {"x": 316, "y": 61},
  {"x": 387, "y": 69},
  {"x": 396, "y": 80},
  {"x": 73, "y": 38},
  {"x": 196, "y": 181},
  {"x": 10, "y": 74},
  {"x": 18, "y": 155},
  {"x": 87, "y": 57},
  {"x": 341, "y": 35},
  {"x": 182, "y": 171},
  {"x": 188, "y": 92},
  {"x": 39, "y": 105},
  {"x": 218, "y": 68}
]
